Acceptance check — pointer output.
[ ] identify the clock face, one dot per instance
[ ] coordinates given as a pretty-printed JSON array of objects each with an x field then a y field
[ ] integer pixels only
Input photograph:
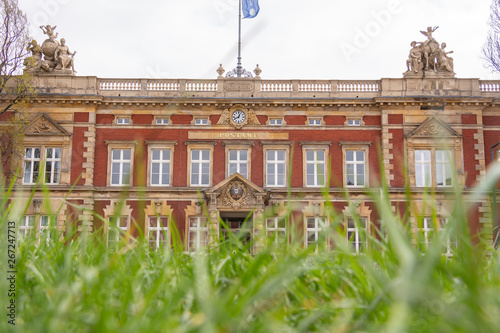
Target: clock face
[{"x": 238, "y": 116}]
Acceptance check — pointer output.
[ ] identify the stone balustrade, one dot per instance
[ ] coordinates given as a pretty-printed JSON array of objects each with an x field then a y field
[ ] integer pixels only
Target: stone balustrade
[{"x": 258, "y": 88}]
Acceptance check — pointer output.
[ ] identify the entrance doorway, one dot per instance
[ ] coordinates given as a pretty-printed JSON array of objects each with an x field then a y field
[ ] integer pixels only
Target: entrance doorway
[{"x": 239, "y": 224}]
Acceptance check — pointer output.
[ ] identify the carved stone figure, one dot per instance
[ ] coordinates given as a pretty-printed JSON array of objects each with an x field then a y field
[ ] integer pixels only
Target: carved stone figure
[
  {"x": 414, "y": 62},
  {"x": 57, "y": 58},
  {"x": 64, "y": 57},
  {"x": 49, "y": 31},
  {"x": 429, "y": 57},
  {"x": 35, "y": 61},
  {"x": 445, "y": 63}
]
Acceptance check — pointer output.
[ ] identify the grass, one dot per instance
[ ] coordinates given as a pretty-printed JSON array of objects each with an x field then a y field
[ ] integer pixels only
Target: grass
[{"x": 79, "y": 285}]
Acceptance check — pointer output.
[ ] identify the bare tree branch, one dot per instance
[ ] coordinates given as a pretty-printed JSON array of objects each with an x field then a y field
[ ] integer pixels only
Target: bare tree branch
[{"x": 491, "y": 49}]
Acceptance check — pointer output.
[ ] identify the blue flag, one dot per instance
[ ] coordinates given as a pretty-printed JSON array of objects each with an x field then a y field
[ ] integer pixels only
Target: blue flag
[{"x": 250, "y": 8}]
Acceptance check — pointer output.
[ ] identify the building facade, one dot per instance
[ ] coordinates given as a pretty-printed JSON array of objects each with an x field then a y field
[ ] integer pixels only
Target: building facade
[{"x": 197, "y": 156}]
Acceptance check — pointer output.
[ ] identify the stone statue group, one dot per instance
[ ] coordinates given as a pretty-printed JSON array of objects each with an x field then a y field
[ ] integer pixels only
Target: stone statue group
[
  {"x": 429, "y": 56},
  {"x": 57, "y": 58}
]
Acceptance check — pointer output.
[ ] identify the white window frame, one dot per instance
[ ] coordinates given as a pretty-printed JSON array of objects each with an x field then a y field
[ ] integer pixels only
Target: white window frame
[
  {"x": 119, "y": 225},
  {"x": 320, "y": 224},
  {"x": 161, "y": 121},
  {"x": 315, "y": 121},
  {"x": 353, "y": 122},
  {"x": 27, "y": 226},
  {"x": 354, "y": 163},
  {"x": 356, "y": 146},
  {"x": 430, "y": 168},
  {"x": 166, "y": 166},
  {"x": 273, "y": 229},
  {"x": 239, "y": 162},
  {"x": 358, "y": 237},
  {"x": 200, "y": 230},
  {"x": 316, "y": 165},
  {"x": 160, "y": 230},
  {"x": 123, "y": 176},
  {"x": 196, "y": 180},
  {"x": 120, "y": 145},
  {"x": 273, "y": 179},
  {"x": 275, "y": 122},
  {"x": 121, "y": 120},
  {"x": 43, "y": 226},
  {"x": 201, "y": 121},
  {"x": 43, "y": 162}
]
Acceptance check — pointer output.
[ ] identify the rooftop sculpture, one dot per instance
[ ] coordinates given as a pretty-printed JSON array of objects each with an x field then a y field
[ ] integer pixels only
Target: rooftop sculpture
[
  {"x": 57, "y": 58},
  {"x": 429, "y": 57}
]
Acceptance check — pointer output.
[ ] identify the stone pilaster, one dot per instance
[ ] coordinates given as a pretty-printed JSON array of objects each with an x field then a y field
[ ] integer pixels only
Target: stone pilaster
[
  {"x": 87, "y": 217},
  {"x": 387, "y": 147},
  {"x": 89, "y": 155}
]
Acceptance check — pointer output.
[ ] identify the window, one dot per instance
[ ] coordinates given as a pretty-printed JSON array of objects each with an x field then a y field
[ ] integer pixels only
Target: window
[
  {"x": 197, "y": 233},
  {"x": 27, "y": 226},
  {"x": 120, "y": 166},
  {"x": 427, "y": 231},
  {"x": 238, "y": 162},
  {"x": 32, "y": 160},
  {"x": 275, "y": 121},
  {"x": 314, "y": 226},
  {"x": 201, "y": 121},
  {"x": 315, "y": 168},
  {"x": 355, "y": 168},
  {"x": 200, "y": 167},
  {"x": 354, "y": 122},
  {"x": 276, "y": 229},
  {"x": 161, "y": 121},
  {"x": 44, "y": 226},
  {"x": 356, "y": 234},
  {"x": 160, "y": 167},
  {"x": 117, "y": 226},
  {"x": 276, "y": 168},
  {"x": 314, "y": 121},
  {"x": 433, "y": 168},
  {"x": 123, "y": 120},
  {"x": 158, "y": 231}
]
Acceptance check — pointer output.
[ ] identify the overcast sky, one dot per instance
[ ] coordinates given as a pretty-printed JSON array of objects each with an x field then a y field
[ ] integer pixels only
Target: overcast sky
[{"x": 289, "y": 39}]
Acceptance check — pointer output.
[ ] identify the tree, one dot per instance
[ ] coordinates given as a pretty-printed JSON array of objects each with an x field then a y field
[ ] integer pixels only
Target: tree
[
  {"x": 491, "y": 49},
  {"x": 15, "y": 86}
]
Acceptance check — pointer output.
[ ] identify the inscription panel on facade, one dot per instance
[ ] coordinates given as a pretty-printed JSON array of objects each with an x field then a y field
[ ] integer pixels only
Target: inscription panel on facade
[{"x": 203, "y": 135}]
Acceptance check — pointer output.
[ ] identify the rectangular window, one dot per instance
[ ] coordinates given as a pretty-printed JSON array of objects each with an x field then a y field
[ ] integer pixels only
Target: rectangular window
[
  {"x": 161, "y": 121},
  {"x": 276, "y": 229},
  {"x": 120, "y": 166},
  {"x": 451, "y": 241},
  {"x": 197, "y": 233},
  {"x": 426, "y": 235},
  {"x": 443, "y": 168},
  {"x": 276, "y": 168},
  {"x": 52, "y": 165},
  {"x": 355, "y": 168},
  {"x": 423, "y": 171},
  {"x": 31, "y": 165},
  {"x": 123, "y": 121},
  {"x": 200, "y": 167},
  {"x": 314, "y": 122},
  {"x": 158, "y": 232},
  {"x": 314, "y": 226},
  {"x": 160, "y": 167},
  {"x": 238, "y": 162},
  {"x": 356, "y": 234},
  {"x": 353, "y": 122},
  {"x": 315, "y": 168},
  {"x": 27, "y": 226},
  {"x": 117, "y": 226},
  {"x": 47, "y": 228},
  {"x": 201, "y": 121},
  {"x": 275, "y": 121}
]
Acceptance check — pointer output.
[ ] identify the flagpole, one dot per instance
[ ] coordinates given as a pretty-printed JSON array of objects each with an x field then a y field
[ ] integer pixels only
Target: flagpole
[{"x": 238, "y": 66}]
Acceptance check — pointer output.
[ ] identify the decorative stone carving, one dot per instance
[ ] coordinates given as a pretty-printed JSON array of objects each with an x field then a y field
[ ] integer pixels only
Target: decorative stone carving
[
  {"x": 220, "y": 70},
  {"x": 257, "y": 71},
  {"x": 37, "y": 206},
  {"x": 433, "y": 127},
  {"x": 235, "y": 196},
  {"x": 248, "y": 117},
  {"x": 44, "y": 125},
  {"x": 429, "y": 56},
  {"x": 57, "y": 58}
]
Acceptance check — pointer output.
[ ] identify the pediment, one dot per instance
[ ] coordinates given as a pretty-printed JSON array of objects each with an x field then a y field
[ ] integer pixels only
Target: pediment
[
  {"x": 433, "y": 127},
  {"x": 236, "y": 192},
  {"x": 44, "y": 125}
]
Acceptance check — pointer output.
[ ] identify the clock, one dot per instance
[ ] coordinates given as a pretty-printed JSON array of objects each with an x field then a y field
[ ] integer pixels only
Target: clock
[{"x": 238, "y": 117}]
